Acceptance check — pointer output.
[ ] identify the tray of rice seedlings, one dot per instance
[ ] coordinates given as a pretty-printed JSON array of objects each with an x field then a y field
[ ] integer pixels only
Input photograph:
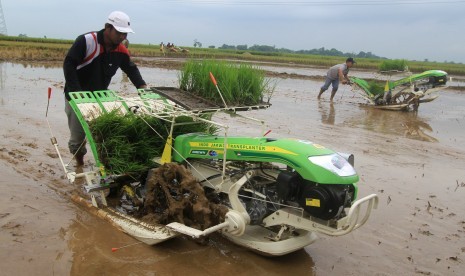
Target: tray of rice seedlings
[
  {"x": 240, "y": 84},
  {"x": 185, "y": 99},
  {"x": 127, "y": 144}
]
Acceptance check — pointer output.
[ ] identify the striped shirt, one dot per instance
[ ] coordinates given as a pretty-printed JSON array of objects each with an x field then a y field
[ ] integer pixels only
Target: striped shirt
[{"x": 89, "y": 67}]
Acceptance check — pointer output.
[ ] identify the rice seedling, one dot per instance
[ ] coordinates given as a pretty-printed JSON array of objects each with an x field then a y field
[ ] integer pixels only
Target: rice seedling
[
  {"x": 393, "y": 65},
  {"x": 126, "y": 144},
  {"x": 240, "y": 84},
  {"x": 376, "y": 87}
]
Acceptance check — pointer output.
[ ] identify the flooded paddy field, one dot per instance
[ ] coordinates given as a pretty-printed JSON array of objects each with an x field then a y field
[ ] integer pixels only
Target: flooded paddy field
[{"x": 415, "y": 162}]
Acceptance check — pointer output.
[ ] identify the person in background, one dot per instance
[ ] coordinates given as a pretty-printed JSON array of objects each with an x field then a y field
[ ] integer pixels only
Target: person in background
[
  {"x": 162, "y": 48},
  {"x": 336, "y": 73},
  {"x": 90, "y": 64}
]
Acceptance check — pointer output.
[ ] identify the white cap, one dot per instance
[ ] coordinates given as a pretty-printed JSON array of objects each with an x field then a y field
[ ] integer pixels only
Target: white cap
[{"x": 120, "y": 21}]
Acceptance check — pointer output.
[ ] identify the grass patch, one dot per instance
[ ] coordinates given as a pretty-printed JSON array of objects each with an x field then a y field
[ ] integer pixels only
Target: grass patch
[
  {"x": 240, "y": 84},
  {"x": 14, "y": 48}
]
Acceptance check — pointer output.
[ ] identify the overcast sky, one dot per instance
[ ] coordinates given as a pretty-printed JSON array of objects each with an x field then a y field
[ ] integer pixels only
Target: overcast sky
[{"x": 409, "y": 29}]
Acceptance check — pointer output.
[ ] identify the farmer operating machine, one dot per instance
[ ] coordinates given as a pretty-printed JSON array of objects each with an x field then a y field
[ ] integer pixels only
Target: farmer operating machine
[{"x": 278, "y": 192}]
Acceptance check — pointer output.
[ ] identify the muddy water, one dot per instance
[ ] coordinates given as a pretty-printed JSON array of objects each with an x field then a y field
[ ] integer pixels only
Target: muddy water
[{"x": 414, "y": 162}]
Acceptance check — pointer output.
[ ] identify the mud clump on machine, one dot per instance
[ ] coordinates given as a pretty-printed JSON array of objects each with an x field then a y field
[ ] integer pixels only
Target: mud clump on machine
[{"x": 174, "y": 195}]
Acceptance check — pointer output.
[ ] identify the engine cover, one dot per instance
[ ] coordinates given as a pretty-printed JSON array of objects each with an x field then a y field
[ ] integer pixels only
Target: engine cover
[
  {"x": 323, "y": 201},
  {"x": 288, "y": 185}
]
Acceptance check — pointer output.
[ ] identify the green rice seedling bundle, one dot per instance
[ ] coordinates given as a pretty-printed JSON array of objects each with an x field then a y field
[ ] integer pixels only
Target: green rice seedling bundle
[
  {"x": 127, "y": 144},
  {"x": 240, "y": 84},
  {"x": 376, "y": 87},
  {"x": 393, "y": 65}
]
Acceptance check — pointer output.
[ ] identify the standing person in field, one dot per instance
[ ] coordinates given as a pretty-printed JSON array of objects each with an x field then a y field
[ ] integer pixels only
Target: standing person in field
[
  {"x": 335, "y": 74},
  {"x": 90, "y": 64},
  {"x": 162, "y": 48}
]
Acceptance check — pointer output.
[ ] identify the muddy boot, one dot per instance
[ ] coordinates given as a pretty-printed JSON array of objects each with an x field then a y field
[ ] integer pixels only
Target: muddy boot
[
  {"x": 79, "y": 157},
  {"x": 321, "y": 92},
  {"x": 79, "y": 181}
]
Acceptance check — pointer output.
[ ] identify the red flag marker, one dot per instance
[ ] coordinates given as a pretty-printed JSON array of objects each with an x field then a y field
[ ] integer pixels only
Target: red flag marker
[
  {"x": 48, "y": 102},
  {"x": 114, "y": 249},
  {"x": 213, "y": 79}
]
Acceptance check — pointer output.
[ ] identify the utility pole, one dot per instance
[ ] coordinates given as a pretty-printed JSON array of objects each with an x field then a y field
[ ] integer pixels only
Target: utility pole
[{"x": 3, "y": 30}]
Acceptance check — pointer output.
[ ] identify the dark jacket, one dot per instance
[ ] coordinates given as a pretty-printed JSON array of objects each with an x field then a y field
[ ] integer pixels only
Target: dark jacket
[{"x": 88, "y": 67}]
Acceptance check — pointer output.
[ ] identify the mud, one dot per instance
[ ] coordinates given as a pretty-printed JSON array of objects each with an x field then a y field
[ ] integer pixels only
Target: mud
[
  {"x": 34, "y": 227},
  {"x": 418, "y": 228},
  {"x": 174, "y": 195}
]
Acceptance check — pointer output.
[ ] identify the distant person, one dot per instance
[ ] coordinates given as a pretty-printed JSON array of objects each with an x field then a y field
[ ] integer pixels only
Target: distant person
[
  {"x": 91, "y": 62},
  {"x": 335, "y": 74},
  {"x": 162, "y": 48},
  {"x": 171, "y": 47}
]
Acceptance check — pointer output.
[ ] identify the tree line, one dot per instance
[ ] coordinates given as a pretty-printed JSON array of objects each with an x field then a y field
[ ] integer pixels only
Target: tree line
[{"x": 320, "y": 51}]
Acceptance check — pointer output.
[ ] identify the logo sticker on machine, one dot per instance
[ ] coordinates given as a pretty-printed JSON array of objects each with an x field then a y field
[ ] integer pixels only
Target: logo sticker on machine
[
  {"x": 199, "y": 152},
  {"x": 313, "y": 202},
  {"x": 213, "y": 153},
  {"x": 241, "y": 147}
]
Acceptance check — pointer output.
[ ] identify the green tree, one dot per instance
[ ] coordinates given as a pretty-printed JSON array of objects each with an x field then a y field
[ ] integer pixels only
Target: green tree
[{"x": 197, "y": 43}]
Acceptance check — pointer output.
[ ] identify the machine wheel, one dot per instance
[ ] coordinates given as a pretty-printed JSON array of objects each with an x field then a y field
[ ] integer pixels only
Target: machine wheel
[
  {"x": 402, "y": 98},
  {"x": 406, "y": 98}
]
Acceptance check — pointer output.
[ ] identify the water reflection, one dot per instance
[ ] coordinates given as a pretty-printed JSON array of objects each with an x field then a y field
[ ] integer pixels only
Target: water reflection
[
  {"x": 416, "y": 130},
  {"x": 328, "y": 114},
  {"x": 2, "y": 75},
  {"x": 407, "y": 124},
  {"x": 2, "y": 82},
  {"x": 91, "y": 240}
]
